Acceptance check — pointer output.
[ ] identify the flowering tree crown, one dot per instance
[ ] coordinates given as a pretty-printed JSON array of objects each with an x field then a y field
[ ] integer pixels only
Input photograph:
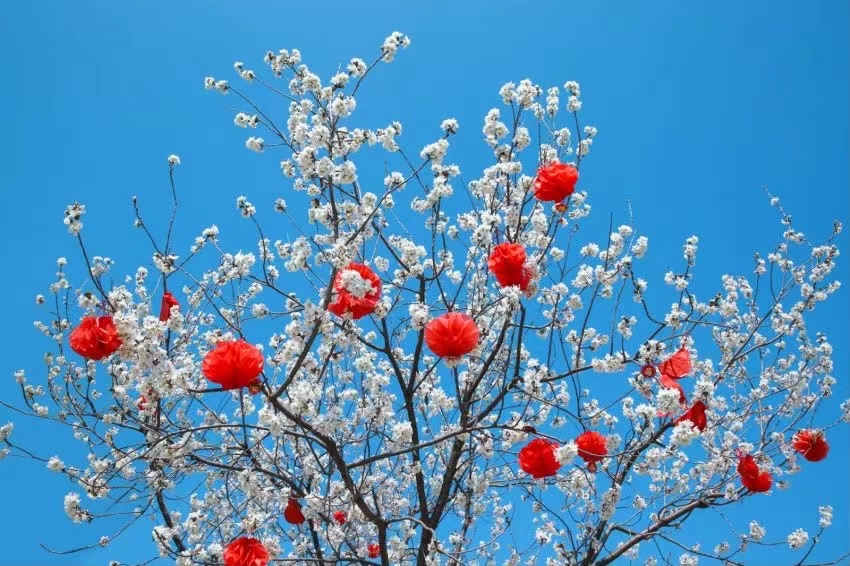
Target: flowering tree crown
[{"x": 397, "y": 388}]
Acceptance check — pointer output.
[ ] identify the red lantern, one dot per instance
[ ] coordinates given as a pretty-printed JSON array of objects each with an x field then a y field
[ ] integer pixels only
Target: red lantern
[
  {"x": 357, "y": 289},
  {"x": 538, "y": 458},
  {"x": 95, "y": 338},
  {"x": 555, "y": 182},
  {"x": 233, "y": 364},
  {"x": 452, "y": 335},
  {"x": 648, "y": 371},
  {"x": 168, "y": 301},
  {"x": 674, "y": 368},
  {"x": 678, "y": 365},
  {"x": 340, "y": 517},
  {"x": 811, "y": 444},
  {"x": 293, "y": 513},
  {"x": 374, "y": 550},
  {"x": 696, "y": 415},
  {"x": 592, "y": 447},
  {"x": 751, "y": 476},
  {"x": 245, "y": 551},
  {"x": 507, "y": 263}
]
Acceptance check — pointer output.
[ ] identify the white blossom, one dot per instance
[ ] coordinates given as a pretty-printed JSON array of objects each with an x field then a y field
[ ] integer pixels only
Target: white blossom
[
  {"x": 757, "y": 532},
  {"x": 255, "y": 144},
  {"x": 73, "y": 509},
  {"x": 825, "y": 512},
  {"x": 798, "y": 539},
  {"x": 5, "y": 431},
  {"x": 565, "y": 453}
]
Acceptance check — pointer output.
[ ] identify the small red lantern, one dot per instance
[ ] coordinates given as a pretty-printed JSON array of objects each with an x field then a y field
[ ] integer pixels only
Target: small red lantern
[
  {"x": 751, "y": 476},
  {"x": 168, "y": 301},
  {"x": 245, "y": 551},
  {"x": 592, "y": 447},
  {"x": 696, "y": 415},
  {"x": 507, "y": 264},
  {"x": 357, "y": 289},
  {"x": 555, "y": 182},
  {"x": 811, "y": 444},
  {"x": 538, "y": 458},
  {"x": 452, "y": 335},
  {"x": 95, "y": 338},
  {"x": 233, "y": 364},
  {"x": 293, "y": 513}
]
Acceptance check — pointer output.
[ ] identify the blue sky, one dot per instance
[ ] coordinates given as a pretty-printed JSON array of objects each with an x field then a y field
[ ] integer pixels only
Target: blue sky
[{"x": 698, "y": 107}]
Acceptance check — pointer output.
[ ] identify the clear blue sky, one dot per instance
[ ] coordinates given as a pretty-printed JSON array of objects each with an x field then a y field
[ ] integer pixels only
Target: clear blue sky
[{"x": 698, "y": 105}]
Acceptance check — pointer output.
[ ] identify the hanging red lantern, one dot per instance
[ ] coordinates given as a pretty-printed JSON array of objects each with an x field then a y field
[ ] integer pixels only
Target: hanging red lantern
[
  {"x": 674, "y": 368},
  {"x": 555, "y": 182},
  {"x": 648, "y": 371},
  {"x": 592, "y": 447},
  {"x": 292, "y": 513},
  {"x": 168, "y": 301},
  {"x": 678, "y": 365},
  {"x": 696, "y": 415},
  {"x": 751, "y": 476},
  {"x": 507, "y": 264},
  {"x": 452, "y": 335},
  {"x": 358, "y": 290},
  {"x": 538, "y": 458},
  {"x": 233, "y": 364},
  {"x": 245, "y": 551},
  {"x": 811, "y": 444},
  {"x": 340, "y": 517},
  {"x": 95, "y": 338}
]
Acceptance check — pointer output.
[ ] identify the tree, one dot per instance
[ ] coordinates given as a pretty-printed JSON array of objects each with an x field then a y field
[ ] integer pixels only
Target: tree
[{"x": 411, "y": 384}]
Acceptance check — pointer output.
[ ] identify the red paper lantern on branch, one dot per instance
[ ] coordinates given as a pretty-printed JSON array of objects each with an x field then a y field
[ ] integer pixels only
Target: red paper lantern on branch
[
  {"x": 674, "y": 368},
  {"x": 95, "y": 338},
  {"x": 293, "y": 513},
  {"x": 592, "y": 447},
  {"x": 678, "y": 365},
  {"x": 555, "y": 182},
  {"x": 648, "y": 371},
  {"x": 696, "y": 414},
  {"x": 811, "y": 444},
  {"x": 357, "y": 289},
  {"x": 233, "y": 364},
  {"x": 452, "y": 335},
  {"x": 538, "y": 458},
  {"x": 507, "y": 264},
  {"x": 168, "y": 301},
  {"x": 751, "y": 476},
  {"x": 245, "y": 551}
]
